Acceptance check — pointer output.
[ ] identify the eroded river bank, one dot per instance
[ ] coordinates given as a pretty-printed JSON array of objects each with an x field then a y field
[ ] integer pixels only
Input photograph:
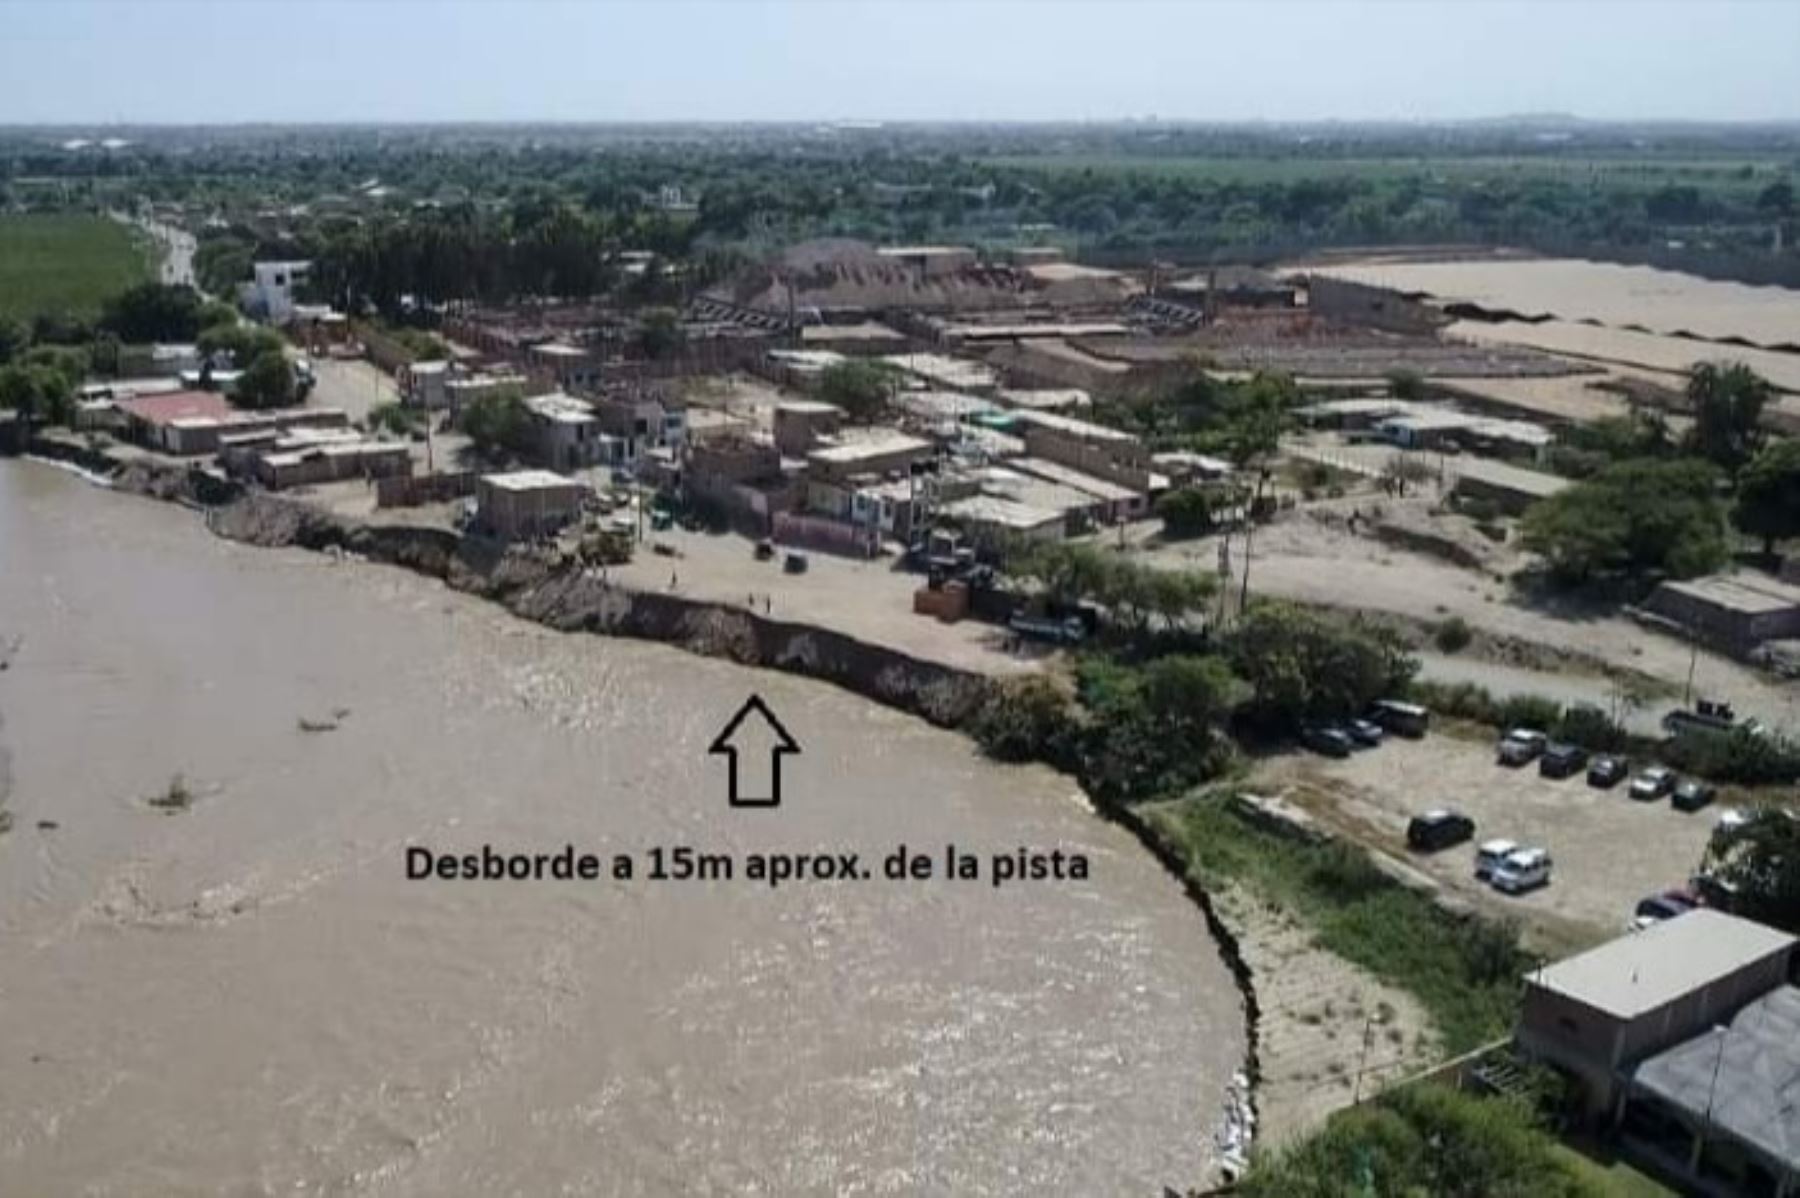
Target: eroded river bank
[{"x": 249, "y": 996}]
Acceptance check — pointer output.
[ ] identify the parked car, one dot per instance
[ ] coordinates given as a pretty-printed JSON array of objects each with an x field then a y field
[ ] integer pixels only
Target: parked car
[
  {"x": 794, "y": 563},
  {"x": 764, "y": 551},
  {"x": 1659, "y": 907},
  {"x": 1402, "y": 719},
  {"x": 1366, "y": 733},
  {"x": 1522, "y": 870},
  {"x": 1520, "y": 746},
  {"x": 1559, "y": 761},
  {"x": 1653, "y": 783},
  {"x": 1437, "y": 829},
  {"x": 1607, "y": 771},
  {"x": 1327, "y": 739},
  {"x": 1490, "y": 854},
  {"x": 1692, "y": 794}
]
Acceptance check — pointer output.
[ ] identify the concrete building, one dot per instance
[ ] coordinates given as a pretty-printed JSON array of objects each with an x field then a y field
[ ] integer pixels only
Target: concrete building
[
  {"x": 527, "y": 503},
  {"x": 566, "y": 433},
  {"x": 1685, "y": 1040},
  {"x": 426, "y": 384},
  {"x": 270, "y": 292},
  {"x": 992, "y": 520},
  {"x": 297, "y": 461},
  {"x": 1373, "y": 307},
  {"x": 1737, "y": 611},
  {"x": 742, "y": 475},
  {"x": 1110, "y": 502},
  {"x": 1510, "y": 489},
  {"x": 800, "y": 424},
  {"x": 570, "y": 367},
  {"x": 461, "y": 390},
  {"x": 643, "y": 420},
  {"x": 947, "y": 373},
  {"x": 1097, "y": 449},
  {"x": 868, "y": 452}
]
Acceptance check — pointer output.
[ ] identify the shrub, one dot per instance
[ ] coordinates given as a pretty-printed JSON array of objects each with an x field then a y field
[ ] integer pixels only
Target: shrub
[
  {"x": 1453, "y": 635},
  {"x": 1027, "y": 719},
  {"x": 1738, "y": 756},
  {"x": 1424, "y": 1139}
]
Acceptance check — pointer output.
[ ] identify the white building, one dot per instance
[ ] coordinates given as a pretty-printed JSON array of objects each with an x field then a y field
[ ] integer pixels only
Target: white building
[{"x": 270, "y": 293}]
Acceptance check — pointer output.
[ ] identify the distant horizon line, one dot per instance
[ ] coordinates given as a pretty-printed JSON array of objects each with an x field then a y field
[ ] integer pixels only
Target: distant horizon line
[{"x": 1523, "y": 120}]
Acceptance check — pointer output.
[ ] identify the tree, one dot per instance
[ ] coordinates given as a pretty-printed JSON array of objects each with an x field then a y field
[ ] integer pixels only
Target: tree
[
  {"x": 1406, "y": 384},
  {"x": 659, "y": 333},
  {"x": 498, "y": 424},
  {"x": 103, "y": 355},
  {"x": 1187, "y": 512},
  {"x": 154, "y": 312},
  {"x": 14, "y": 338},
  {"x": 861, "y": 388},
  {"x": 1777, "y": 199},
  {"x": 37, "y": 392},
  {"x": 1728, "y": 402},
  {"x": 1301, "y": 664},
  {"x": 1760, "y": 860},
  {"x": 244, "y": 343},
  {"x": 1633, "y": 518},
  {"x": 1768, "y": 496},
  {"x": 268, "y": 382}
]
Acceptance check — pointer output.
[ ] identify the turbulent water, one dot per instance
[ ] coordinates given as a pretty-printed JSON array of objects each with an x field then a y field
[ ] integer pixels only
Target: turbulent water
[{"x": 249, "y": 997}]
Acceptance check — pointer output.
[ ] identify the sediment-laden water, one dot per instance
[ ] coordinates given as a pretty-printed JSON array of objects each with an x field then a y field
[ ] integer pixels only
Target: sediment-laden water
[{"x": 249, "y": 997}]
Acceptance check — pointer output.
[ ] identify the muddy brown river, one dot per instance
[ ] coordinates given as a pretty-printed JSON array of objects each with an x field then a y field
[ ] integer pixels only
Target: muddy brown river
[{"x": 249, "y": 996}]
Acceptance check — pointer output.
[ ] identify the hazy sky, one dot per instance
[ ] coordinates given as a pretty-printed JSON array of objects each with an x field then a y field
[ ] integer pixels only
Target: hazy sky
[{"x": 321, "y": 60}]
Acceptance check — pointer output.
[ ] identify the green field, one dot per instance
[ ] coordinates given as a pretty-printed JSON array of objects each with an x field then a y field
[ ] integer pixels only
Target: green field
[{"x": 67, "y": 265}]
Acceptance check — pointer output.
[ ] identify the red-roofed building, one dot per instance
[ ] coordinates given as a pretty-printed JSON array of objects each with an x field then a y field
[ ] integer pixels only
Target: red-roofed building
[{"x": 190, "y": 422}]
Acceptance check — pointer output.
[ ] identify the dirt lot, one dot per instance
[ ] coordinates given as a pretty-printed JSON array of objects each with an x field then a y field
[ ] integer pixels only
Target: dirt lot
[
  {"x": 1303, "y": 557},
  {"x": 1609, "y": 850},
  {"x": 355, "y": 386},
  {"x": 866, "y": 599}
]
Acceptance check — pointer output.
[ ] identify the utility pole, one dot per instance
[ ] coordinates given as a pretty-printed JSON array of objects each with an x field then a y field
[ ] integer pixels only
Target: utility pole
[
  {"x": 1249, "y": 535},
  {"x": 1362, "y": 1062}
]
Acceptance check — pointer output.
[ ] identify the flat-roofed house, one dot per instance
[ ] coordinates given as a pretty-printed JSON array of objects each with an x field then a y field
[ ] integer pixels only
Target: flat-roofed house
[
  {"x": 875, "y": 451},
  {"x": 1096, "y": 449},
  {"x": 527, "y": 503},
  {"x": 566, "y": 433},
  {"x": 1597, "y": 1015},
  {"x": 1737, "y": 611}
]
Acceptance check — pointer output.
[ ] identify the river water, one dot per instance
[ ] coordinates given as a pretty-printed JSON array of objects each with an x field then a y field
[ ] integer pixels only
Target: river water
[{"x": 249, "y": 997}]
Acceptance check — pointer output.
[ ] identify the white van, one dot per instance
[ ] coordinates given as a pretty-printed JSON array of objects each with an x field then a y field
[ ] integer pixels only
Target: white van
[
  {"x": 1522, "y": 871},
  {"x": 1490, "y": 854}
]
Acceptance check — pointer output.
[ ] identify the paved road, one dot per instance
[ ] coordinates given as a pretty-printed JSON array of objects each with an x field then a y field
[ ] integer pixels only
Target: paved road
[{"x": 175, "y": 245}]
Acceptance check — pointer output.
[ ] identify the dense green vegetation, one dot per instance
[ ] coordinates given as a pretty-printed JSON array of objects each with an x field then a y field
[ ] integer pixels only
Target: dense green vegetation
[
  {"x": 64, "y": 267},
  {"x": 1761, "y": 860},
  {"x": 461, "y": 213},
  {"x": 1639, "y": 518},
  {"x": 1465, "y": 971},
  {"x": 1768, "y": 495},
  {"x": 1426, "y": 1140}
]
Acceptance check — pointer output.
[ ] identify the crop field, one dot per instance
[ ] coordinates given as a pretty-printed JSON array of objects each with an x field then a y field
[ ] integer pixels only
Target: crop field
[{"x": 66, "y": 264}]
